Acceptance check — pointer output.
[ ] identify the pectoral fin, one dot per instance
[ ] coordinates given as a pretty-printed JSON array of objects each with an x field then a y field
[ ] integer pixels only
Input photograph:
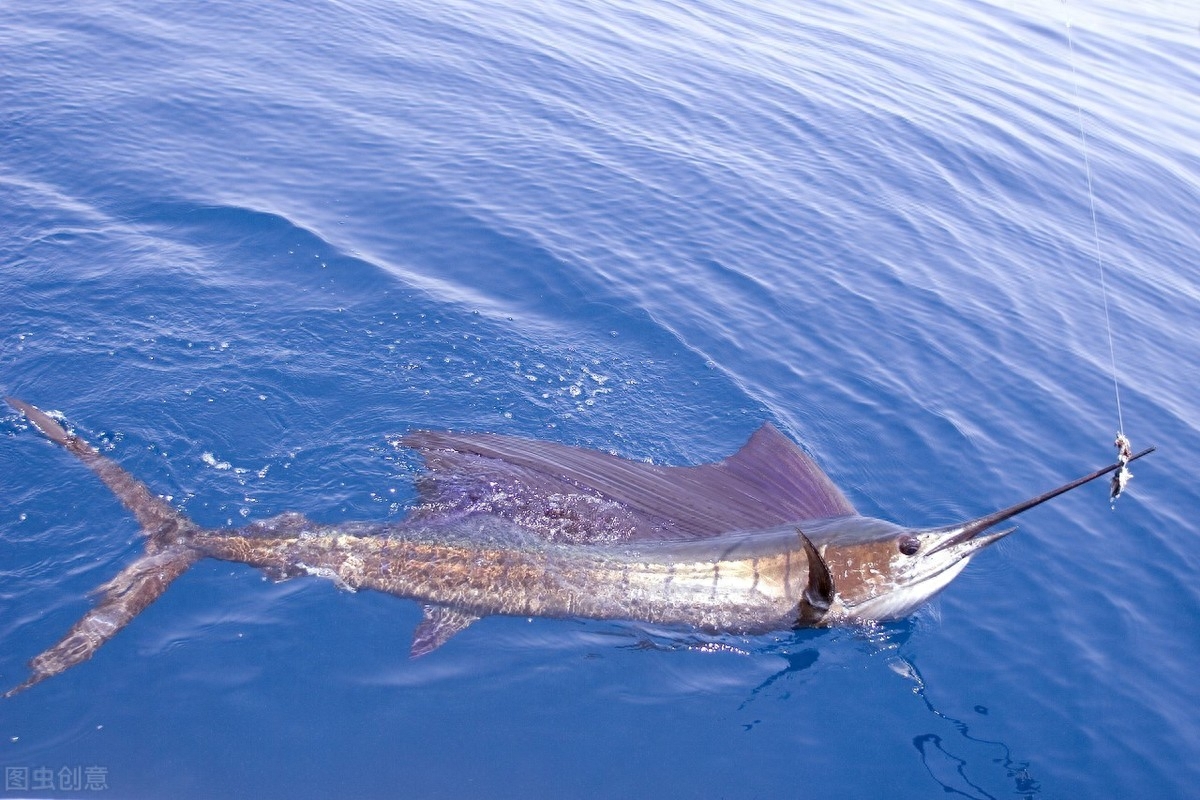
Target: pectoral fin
[
  {"x": 818, "y": 594},
  {"x": 439, "y": 624}
]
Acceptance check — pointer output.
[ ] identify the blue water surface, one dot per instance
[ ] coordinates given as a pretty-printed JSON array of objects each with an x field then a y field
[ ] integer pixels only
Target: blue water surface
[{"x": 247, "y": 245}]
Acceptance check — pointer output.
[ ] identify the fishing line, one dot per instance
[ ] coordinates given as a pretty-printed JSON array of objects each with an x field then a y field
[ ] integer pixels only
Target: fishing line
[{"x": 1124, "y": 449}]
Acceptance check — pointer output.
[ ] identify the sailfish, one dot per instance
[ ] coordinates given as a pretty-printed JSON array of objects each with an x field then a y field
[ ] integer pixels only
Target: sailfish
[{"x": 759, "y": 542}]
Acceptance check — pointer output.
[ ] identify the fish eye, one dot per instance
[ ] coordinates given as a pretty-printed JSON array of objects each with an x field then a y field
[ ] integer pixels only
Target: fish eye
[{"x": 909, "y": 545}]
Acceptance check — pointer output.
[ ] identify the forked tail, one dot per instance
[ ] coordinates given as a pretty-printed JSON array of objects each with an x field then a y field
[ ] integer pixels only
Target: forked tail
[{"x": 167, "y": 556}]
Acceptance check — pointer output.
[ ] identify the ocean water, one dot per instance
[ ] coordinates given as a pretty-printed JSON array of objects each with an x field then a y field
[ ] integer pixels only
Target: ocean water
[{"x": 247, "y": 245}]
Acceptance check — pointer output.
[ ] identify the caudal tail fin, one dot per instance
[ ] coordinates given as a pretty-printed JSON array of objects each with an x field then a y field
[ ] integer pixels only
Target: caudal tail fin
[{"x": 167, "y": 556}]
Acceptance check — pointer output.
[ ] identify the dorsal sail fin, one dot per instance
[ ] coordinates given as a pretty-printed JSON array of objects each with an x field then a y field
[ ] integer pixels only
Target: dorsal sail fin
[{"x": 572, "y": 493}]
